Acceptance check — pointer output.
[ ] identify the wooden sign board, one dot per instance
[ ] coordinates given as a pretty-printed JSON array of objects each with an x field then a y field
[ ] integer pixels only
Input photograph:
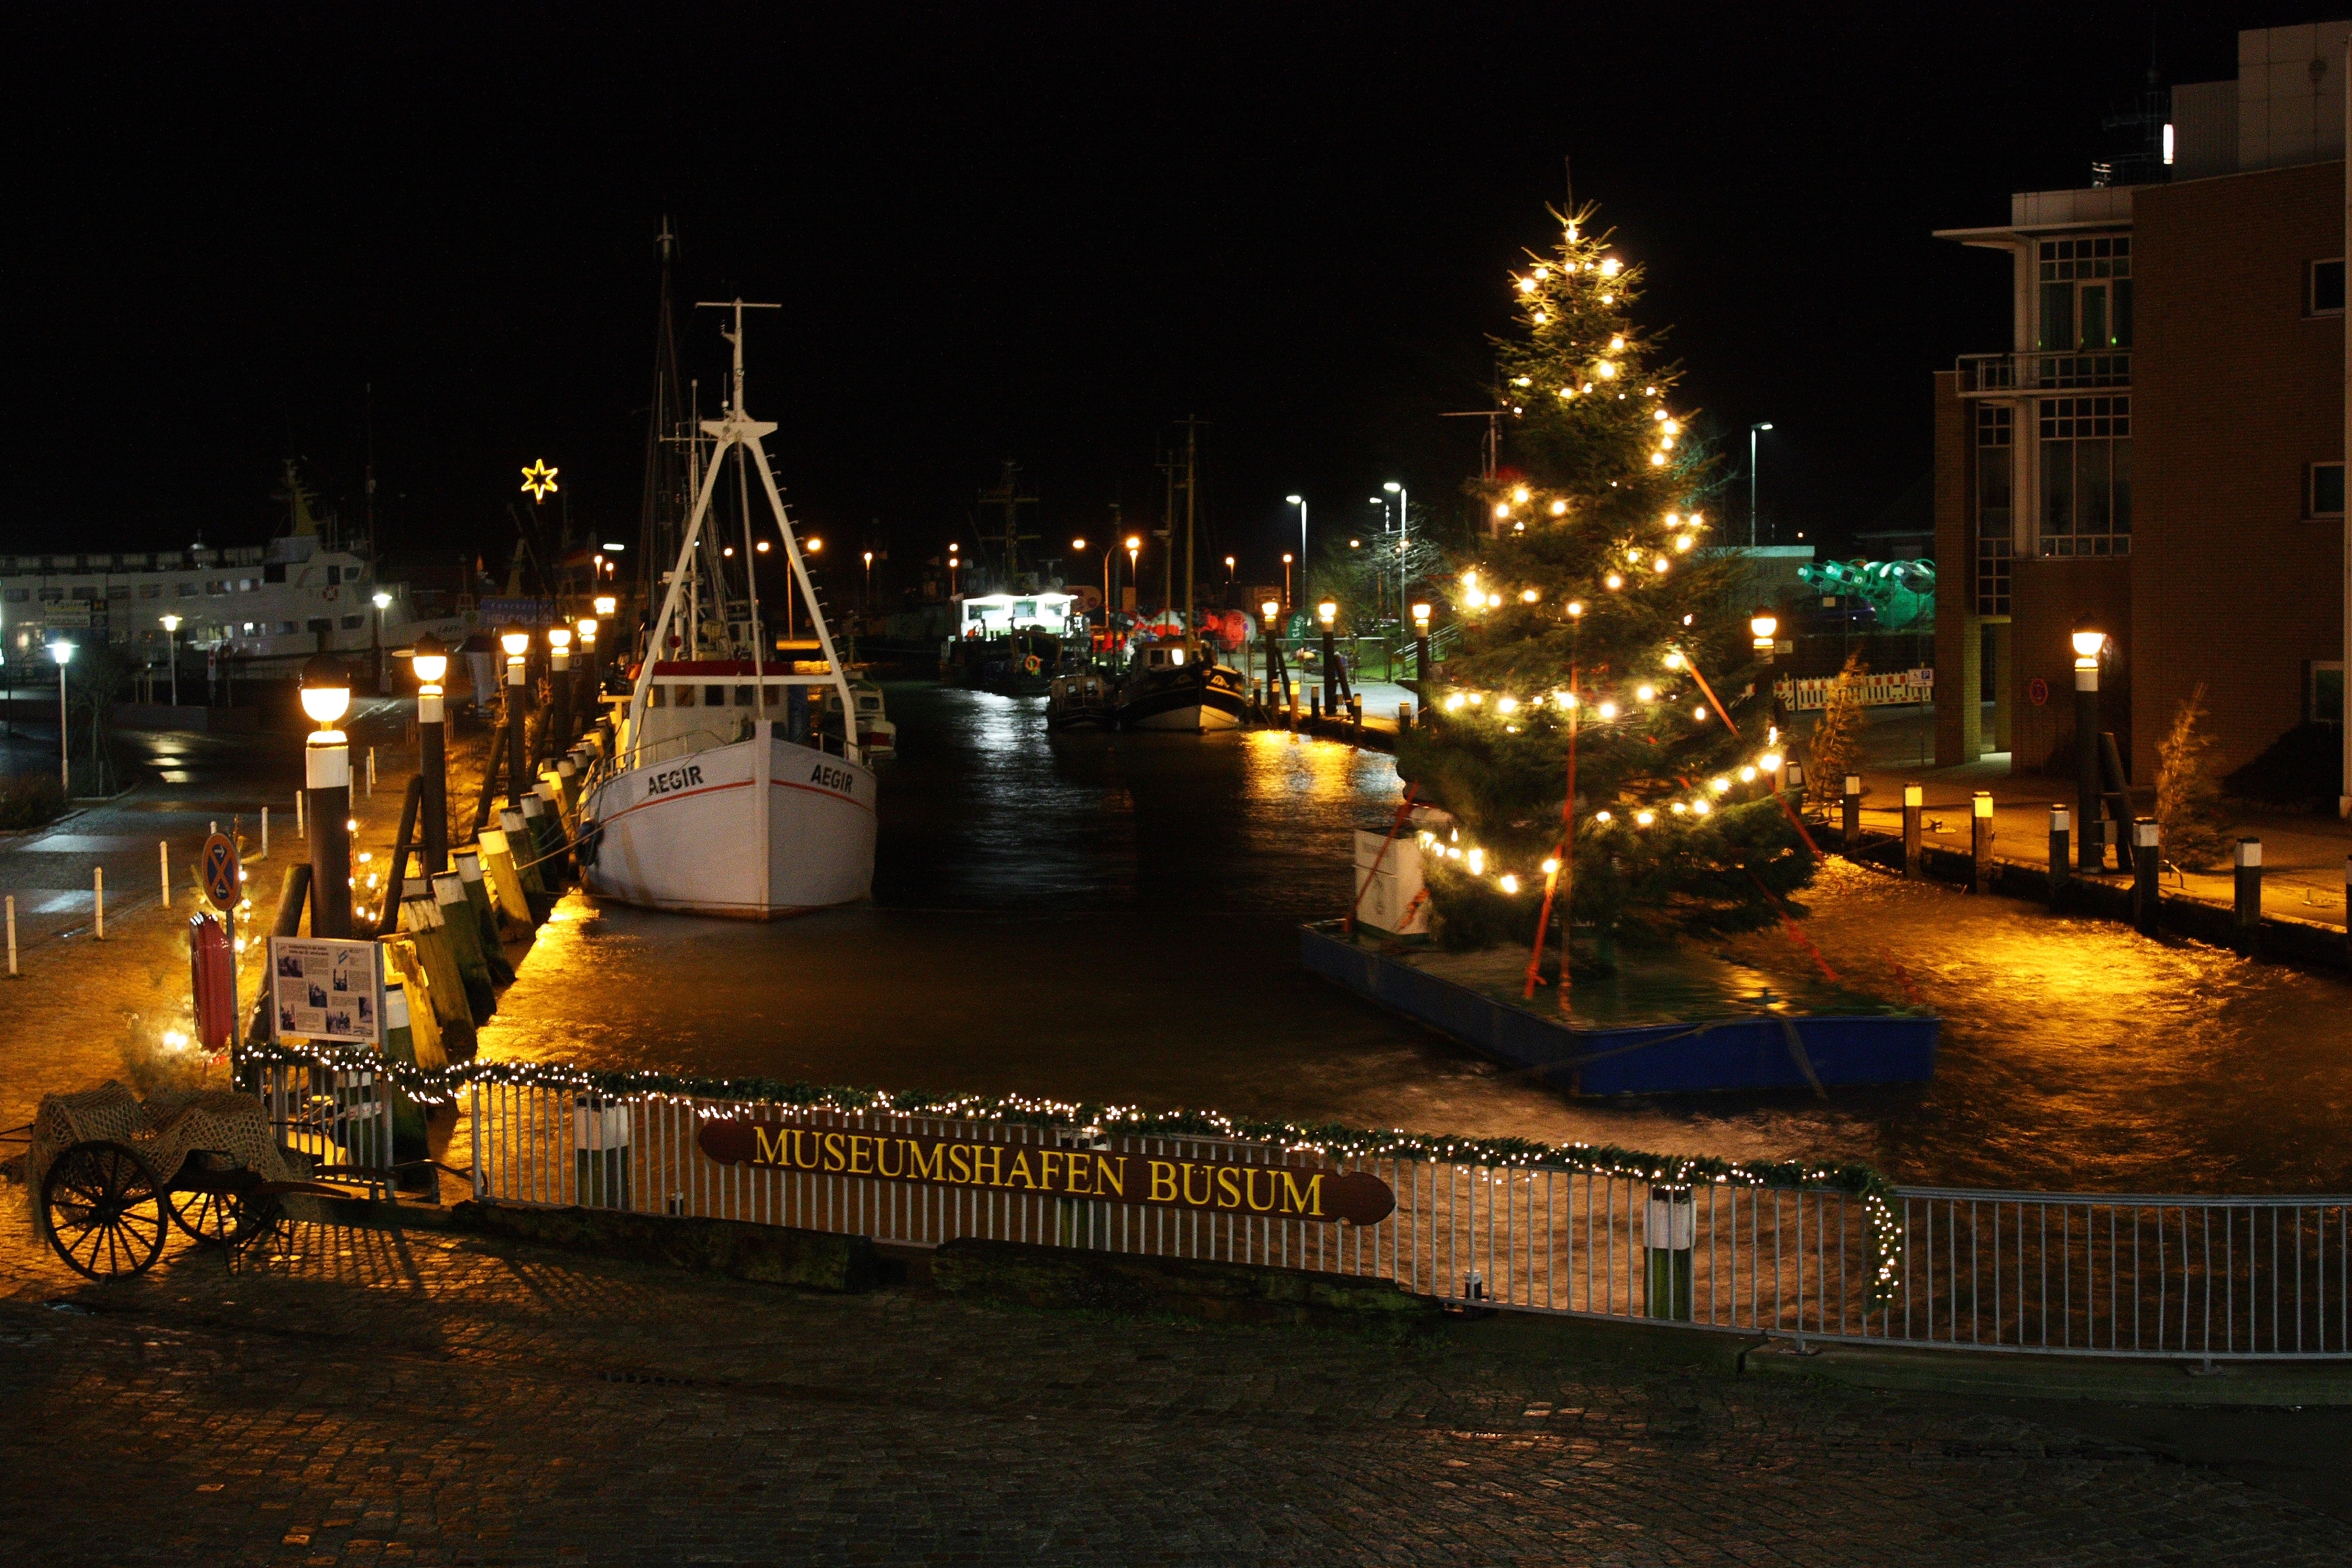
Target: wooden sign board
[{"x": 1308, "y": 1193}]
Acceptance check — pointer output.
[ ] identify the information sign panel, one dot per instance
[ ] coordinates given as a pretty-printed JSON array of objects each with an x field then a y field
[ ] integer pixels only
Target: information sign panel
[{"x": 325, "y": 989}]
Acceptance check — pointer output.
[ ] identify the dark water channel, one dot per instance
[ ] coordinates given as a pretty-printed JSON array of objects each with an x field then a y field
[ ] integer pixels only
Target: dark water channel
[{"x": 1112, "y": 917}]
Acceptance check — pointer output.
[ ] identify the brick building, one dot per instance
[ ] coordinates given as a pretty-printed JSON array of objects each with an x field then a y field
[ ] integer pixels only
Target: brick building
[{"x": 2160, "y": 452}]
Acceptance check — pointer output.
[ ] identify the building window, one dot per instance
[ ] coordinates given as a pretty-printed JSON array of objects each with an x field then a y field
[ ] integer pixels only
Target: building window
[
  {"x": 334, "y": 576},
  {"x": 150, "y": 590},
  {"x": 2085, "y": 293},
  {"x": 118, "y": 590},
  {"x": 2085, "y": 476},
  {"x": 2325, "y": 296},
  {"x": 18, "y": 595},
  {"x": 1994, "y": 478},
  {"x": 53, "y": 596},
  {"x": 2324, "y": 493},
  {"x": 85, "y": 594},
  {"x": 352, "y": 623}
]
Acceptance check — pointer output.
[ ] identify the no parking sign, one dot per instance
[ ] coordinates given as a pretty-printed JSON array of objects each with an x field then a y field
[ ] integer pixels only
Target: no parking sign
[
  {"x": 2037, "y": 691},
  {"x": 219, "y": 862}
]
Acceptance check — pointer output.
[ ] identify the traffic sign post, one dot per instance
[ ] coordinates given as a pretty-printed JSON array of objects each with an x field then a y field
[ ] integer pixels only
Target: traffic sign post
[{"x": 224, "y": 882}]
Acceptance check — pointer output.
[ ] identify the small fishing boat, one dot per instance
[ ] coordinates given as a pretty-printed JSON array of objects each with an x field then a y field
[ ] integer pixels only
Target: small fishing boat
[
  {"x": 1168, "y": 687},
  {"x": 731, "y": 790},
  {"x": 1082, "y": 700}
]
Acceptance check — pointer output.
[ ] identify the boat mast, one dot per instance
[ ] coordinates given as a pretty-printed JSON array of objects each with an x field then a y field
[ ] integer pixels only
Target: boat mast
[
  {"x": 1191, "y": 474},
  {"x": 664, "y": 501}
]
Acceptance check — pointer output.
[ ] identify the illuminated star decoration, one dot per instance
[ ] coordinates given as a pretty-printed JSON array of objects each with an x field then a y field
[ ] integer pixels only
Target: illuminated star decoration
[{"x": 538, "y": 478}]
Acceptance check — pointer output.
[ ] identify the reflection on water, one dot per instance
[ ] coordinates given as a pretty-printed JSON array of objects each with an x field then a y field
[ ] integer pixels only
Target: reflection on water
[{"x": 1112, "y": 916}]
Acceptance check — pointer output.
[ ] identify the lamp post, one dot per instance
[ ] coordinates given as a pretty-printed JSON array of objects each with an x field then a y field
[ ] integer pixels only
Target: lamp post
[
  {"x": 953, "y": 565},
  {"x": 430, "y": 659},
  {"x": 1288, "y": 598},
  {"x": 1300, "y": 502},
  {"x": 1421, "y": 648},
  {"x": 517, "y": 645},
  {"x": 1327, "y": 612},
  {"x": 589, "y": 682},
  {"x": 326, "y": 797},
  {"x": 1398, "y": 490},
  {"x": 171, "y": 653},
  {"x": 63, "y": 653},
  {"x": 869, "y": 582},
  {"x": 383, "y": 602},
  {"x": 559, "y": 688},
  {"x": 2093, "y": 853},
  {"x": 1752, "y": 429},
  {"x": 1269, "y": 610},
  {"x": 1134, "y": 560}
]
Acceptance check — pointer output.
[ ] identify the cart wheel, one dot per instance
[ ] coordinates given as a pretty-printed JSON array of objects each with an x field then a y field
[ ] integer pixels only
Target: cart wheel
[
  {"x": 105, "y": 1210},
  {"x": 222, "y": 1218}
]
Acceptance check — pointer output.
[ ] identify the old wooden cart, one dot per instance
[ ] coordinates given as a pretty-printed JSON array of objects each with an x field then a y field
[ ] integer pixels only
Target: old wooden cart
[{"x": 111, "y": 1174}]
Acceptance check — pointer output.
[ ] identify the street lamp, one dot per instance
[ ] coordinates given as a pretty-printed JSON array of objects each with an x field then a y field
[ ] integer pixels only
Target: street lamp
[
  {"x": 559, "y": 688},
  {"x": 1268, "y": 611},
  {"x": 327, "y": 796},
  {"x": 1288, "y": 597},
  {"x": 383, "y": 602},
  {"x": 517, "y": 643},
  {"x": 1328, "y": 612},
  {"x": 1403, "y": 523},
  {"x": 2089, "y": 642},
  {"x": 63, "y": 653},
  {"x": 1762, "y": 625},
  {"x": 172, "y": 651},
  {"x": 1300, "y": 502},
  {"x": 430, "y": 659},
  {"x": 606, "y": 604},
  {"x": 1752, "y": 429},
  {"x": 1420, "y": 647}
]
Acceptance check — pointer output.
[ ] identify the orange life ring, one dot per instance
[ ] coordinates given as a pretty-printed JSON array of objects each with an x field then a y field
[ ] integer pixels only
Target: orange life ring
[
  {"x": 332, "y": 591},
  {"x": 1032, "y": 665}
]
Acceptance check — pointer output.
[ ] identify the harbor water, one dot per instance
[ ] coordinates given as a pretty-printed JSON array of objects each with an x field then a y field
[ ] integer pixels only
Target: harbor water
[{"x": 1113, "y": 917}]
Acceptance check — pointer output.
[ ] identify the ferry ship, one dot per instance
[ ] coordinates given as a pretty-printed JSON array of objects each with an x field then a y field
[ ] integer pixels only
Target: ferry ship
[{"x": 258, "y": 611}]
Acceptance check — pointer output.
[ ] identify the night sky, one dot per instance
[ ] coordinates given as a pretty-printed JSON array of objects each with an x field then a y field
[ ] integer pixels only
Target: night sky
[{"x": 997, "y": 232}]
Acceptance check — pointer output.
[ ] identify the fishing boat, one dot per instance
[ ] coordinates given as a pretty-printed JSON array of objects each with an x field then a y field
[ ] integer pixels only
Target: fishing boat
[
  {"x": 1170, "y": 687},
  {"x": 1081, "y": 701},
  {"x": 731, "y": 790}
]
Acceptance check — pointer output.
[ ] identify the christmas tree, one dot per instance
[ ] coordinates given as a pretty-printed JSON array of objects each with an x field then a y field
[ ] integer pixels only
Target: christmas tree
[
  {"x": 1582, "y": 742},
  {"x": 2188, "y": 802},
  {"x": 1834, "y": 748}
]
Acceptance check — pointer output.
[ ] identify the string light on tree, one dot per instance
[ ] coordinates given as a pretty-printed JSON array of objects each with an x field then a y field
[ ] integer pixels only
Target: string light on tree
[{"x": 1586, "y": 709}]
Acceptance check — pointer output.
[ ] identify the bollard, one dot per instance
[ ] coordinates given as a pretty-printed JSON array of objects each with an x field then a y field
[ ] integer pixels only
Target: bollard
[
  {"x": 1851, "y": 805},
  {"x": 2145, "y": 860},
  {"x": 600, "y": 1151},
  {"x": 1980, "y": 839},
  {"x": 1914, "y": 797},
  {"x": 12, "y": 936},
  {"x": 2250, "y": 896},
  {"x": 1404, "y": 717},
  {"x": 1670, "y": 1229},
  {"x": 164, "y": 864},
  {"x": 1314, "y": 706},
  {"x": 264, "y": 834},
  {"x": 1796, "y": 778},
  {"x": 2061, "y": 819},
  {"x": 98, "y": 894},
  {"x": 301, "y": 830}
]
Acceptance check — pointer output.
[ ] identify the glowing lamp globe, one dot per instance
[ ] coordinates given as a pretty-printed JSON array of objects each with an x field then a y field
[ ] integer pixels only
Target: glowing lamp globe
[
  {"x": 384, "y": 601},
  {"x": 1421, "y": 613},
  {"x": 815, "y": 546},
  {"x": 515, "y": 642},
  {"x": 1075, "y": 544},
  {"x": 1270, "y": 609},
  {"x": 559, "y": 637},
  {"x": 171, "y": 623},
  {"x": 62, "y": 652},
  {"x": 588, "y": 628},
  {"x": 606, "y": 604},
  {"x": 431, "y": 660},
  {"x": 1763, "y": 623},
  {"x": 1327, "y": 611},
  {"x": 2087, "y": 643},
  {"x": 326, "y": 692}
]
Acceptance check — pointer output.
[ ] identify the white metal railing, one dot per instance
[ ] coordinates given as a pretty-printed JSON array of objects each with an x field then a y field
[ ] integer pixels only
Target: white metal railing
[
  {"x": 2082, "y": 1274},
  {"x": 340, "y": 1116}
]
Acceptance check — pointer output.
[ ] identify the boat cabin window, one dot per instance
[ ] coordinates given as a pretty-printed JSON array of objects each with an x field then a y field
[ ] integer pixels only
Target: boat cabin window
[
  {"x": 775, "y": 694},
  {"x": 743, "y": 696},
  {"x": 656, "y": 695},
  {"x": 686, "y": 696},
  {"x": 714, "y": 697},
  {"x": 869, "y": 705}
]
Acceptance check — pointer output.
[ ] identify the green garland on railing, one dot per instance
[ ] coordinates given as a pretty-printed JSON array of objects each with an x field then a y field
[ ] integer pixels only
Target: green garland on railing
[{"x": 1331, "y": 1138}]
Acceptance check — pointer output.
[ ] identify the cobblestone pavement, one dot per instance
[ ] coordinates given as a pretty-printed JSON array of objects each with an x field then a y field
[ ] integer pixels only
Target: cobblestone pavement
[{"x": 370, "y": 1398}]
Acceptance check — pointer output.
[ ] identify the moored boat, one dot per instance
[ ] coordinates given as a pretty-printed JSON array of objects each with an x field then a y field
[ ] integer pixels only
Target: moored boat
[{"x": 1167, "y": 687}]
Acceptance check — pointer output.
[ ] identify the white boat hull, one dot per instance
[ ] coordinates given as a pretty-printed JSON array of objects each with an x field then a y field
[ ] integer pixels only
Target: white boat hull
[{"x": 751, "y": 831}]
